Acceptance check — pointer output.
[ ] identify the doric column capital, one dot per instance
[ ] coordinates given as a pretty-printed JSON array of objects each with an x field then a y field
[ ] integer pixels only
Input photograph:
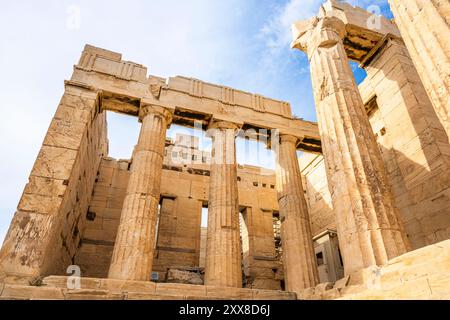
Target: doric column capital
[
  {"x": 317, "y": 32},
  {"x": 287, "y": 138},
  {"x": 147, "y": 109},
  {"x": 223, "y": 125}
]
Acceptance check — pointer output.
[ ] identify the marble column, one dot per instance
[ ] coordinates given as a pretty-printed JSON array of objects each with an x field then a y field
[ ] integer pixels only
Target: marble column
[
  {"x": 425, "y": 28},
  {"x": 300, "y": 267},
  {"x": 133, "y": 250},
  {"x": 223, "y": 247},
  {"x": 370, "y": 232}
]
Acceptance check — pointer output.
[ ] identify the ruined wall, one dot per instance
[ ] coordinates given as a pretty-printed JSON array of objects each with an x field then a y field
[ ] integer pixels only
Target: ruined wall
[
  {"x": 413, "y": 142},
  {"x": 46, "y": 229}
]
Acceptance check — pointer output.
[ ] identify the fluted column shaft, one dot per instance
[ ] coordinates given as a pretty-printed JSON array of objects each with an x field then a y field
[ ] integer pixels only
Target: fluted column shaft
[
  {"x": 368, "y": 223},
  {"x": 223, "y": 248},
  {"x": 300, "y": 267},
  {"x": 425, "y": 28},
  {"x": 133, "y": 250}
]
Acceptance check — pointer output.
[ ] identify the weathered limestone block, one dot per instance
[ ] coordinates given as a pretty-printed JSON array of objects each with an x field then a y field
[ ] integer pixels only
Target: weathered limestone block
[
  {"x": 66, "y": 282},
  {"x": 21, "y": 292},
  {"x": 417, "y": 275},
  {"x": 273, "y": 295},
  {"x": 151, "y": 296},
  {"x": 258, "y": 246},
  {"x": 425, "y": 28},
  {"x": 45, "y": 186},
  {"x": 114, "y": 285},
  {"x": 223, "y": 252},
  {"x": 180, "y": 289},
  {"x": 300, "y": 268},
  {"x": 92, "y": 294},
  {"x": 183, "y": 276},
  {"x": 54, "y": 163},
  {"x": 318, "y": 198},
  {"x": 104, "y": 286},
  {"x": 55, "y": 287},
  {"x": 308, "y": 294},
  {"x": 133, "y": 250},
  {"x": 229, "y": 293},
  {"x": 178, "y": 232},
  {"x": 341, "y": 283},
  {"x": 369, "y": 229},
  {"x": 65, "y": 134}
]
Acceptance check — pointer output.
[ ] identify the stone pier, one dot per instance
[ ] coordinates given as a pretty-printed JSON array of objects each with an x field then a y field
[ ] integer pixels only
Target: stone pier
[
  {"x": 223, "y": 249},
  {"x": 300, "y": 268},
  {"x": 369, "y": 229},
  {"x": 412, "y": 141},
  {"x": 425, "y": 28},
  {"x": 44, "y": 234},
  {"x": 135, "y": 242}
]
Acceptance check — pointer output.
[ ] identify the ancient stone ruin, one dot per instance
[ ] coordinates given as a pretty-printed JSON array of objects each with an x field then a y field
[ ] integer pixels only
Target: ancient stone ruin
[{"x": 364, "y": 213}]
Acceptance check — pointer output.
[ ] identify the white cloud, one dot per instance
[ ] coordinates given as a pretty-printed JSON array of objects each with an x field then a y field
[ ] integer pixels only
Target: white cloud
[
  {"x": 277, "y": 30},
  {"x": 211, "y": 40}
]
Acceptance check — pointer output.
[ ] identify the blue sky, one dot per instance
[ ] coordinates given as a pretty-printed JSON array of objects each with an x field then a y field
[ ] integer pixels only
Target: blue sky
[{"x": 237, "y": 43}]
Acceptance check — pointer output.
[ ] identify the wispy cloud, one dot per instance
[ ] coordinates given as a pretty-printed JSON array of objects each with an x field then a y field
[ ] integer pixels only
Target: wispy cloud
[{"x": 276, "y": 31}]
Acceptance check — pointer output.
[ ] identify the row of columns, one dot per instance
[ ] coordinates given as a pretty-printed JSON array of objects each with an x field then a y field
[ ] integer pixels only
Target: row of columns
[{"x": 132, "y": 257}]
